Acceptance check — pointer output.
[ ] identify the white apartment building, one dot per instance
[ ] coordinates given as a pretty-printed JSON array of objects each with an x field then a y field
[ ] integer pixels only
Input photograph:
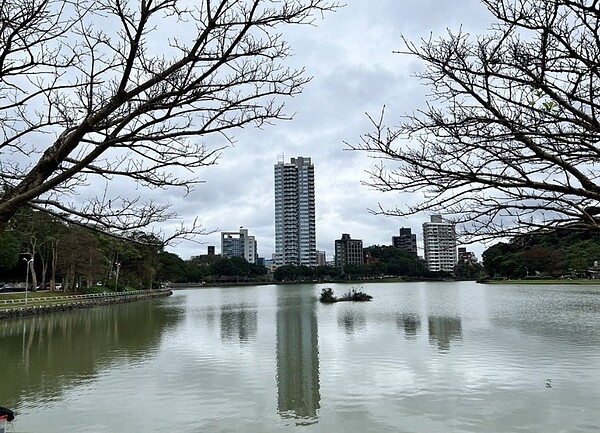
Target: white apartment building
[
  {"x": 239, "y": 244},
  {"x": 295, "y": 228},
  {"x": 439, "y": 243}
]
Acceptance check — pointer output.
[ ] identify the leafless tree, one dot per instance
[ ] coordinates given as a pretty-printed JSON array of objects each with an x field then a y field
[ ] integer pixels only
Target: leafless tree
[
  {"x": 509, "y": 138},
  {"x": 123, "y": 89}
]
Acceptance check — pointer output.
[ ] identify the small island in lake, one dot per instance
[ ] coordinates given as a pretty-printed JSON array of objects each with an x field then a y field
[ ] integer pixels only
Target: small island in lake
[{"x": 328, "y": 297}]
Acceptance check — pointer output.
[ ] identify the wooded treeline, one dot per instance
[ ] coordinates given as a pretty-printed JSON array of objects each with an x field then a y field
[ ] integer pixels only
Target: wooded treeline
[
  {"x": 74, "y": 256},
  {"x": 383, "y": 261},
  {"x": 77, "y": 257},
  {"x": 555, "y": 254}
]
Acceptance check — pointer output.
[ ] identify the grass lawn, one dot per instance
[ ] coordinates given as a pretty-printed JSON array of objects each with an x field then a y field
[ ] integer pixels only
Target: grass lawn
[
  {"x": 583, "y": 282},
  {"x": 35, "y": 298}
]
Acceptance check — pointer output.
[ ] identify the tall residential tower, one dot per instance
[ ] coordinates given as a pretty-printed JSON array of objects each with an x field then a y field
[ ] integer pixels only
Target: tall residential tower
[{"x": 295, "y": 229}]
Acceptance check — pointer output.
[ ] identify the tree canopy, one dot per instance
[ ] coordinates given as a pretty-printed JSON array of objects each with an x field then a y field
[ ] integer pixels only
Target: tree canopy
[
  {"x": 508, "y": 141},
  {"x": 75, "y": 256},
  {"x": 561, "y": 253},
  {"x": 123, "y": 90}
]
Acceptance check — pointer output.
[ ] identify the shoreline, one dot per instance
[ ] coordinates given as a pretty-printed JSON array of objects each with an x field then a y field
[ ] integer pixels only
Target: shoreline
[
  {"x": 62, "y": 305},
  {"x": 553, "y": 281}
]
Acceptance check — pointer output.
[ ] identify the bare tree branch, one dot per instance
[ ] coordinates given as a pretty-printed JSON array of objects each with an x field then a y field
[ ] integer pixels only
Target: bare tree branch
[
  {"x": 509, "y": 139},
  {"x": 128, "y": 89}
]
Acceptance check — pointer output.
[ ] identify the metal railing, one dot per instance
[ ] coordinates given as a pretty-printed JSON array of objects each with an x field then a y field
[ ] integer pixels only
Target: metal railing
[{"x": 91, "y": 296}]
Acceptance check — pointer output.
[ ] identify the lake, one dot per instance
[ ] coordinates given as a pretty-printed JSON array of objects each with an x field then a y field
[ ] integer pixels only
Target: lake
[{"x": 420, "y": 357}]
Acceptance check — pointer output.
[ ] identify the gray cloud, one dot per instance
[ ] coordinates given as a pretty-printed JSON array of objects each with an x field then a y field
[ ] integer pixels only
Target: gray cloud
[{"x": 350, "y": 55}]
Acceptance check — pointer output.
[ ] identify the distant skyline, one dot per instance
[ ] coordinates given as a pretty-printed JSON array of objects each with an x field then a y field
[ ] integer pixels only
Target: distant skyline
[{"x": 352, "y": 56}]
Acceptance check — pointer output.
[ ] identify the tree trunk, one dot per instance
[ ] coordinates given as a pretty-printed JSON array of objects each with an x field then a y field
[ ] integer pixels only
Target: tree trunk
[{"x": 53, "y": 270}]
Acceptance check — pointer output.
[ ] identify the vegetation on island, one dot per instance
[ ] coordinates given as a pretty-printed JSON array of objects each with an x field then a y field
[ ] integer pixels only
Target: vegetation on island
[{"x": 353, "y": 295}]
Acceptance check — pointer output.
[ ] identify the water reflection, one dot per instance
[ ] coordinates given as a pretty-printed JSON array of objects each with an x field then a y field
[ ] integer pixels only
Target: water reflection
[
  {"x": 298, "y": 392},
  {"x": 411, "y": 325},
  {"x": 238, "y": 321},
  {"x": 71, "y": 348},
  {"x": 443, "y": 330},
  {"x": 352, "y": 321}
]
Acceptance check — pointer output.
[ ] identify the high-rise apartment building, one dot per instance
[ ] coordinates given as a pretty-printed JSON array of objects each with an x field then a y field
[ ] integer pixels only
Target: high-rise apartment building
[
  {"x": 295, "y": 228},
  {"x": 348, "y": 251},
  {"x": 406, "y": 241},
  {"x": 439, "y": 244},
  {"x": 239, "y": 244}
]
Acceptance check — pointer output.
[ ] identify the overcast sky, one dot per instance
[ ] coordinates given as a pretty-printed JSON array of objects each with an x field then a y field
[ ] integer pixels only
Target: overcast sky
[{"x": 350, "y": 55}]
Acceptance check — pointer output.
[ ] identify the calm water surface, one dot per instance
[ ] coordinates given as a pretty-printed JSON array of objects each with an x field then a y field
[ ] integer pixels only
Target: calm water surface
[{"x": 421, "y": 357}]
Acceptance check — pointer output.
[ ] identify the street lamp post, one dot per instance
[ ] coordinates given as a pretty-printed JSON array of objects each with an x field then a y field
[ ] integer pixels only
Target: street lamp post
[
  {"x": 29, "y": 266},
  {"x": 117, "y": 275}
]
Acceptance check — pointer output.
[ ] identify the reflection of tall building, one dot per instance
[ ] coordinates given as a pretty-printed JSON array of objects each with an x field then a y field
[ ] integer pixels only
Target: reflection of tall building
[
  {"x": 444, "y": 330},
  {"x": 238, "y": 321},
  {"x": 298, "y": 392}
]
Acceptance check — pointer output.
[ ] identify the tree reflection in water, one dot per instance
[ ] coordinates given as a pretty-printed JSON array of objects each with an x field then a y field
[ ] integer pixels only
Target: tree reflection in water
[
  {"x": 352, "y": 321},
  {"x": 411, "y": 325},
  {"x": 73, "y": 347},
  {"x": 238, "y": 321}
]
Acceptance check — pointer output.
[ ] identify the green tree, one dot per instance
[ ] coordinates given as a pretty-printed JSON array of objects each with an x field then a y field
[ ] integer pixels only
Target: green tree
[
  {"x": 499, "y": 259},
  {"x": 323, "y": 273},
  {"x": 237, "y": 267},
  {"x": 353, "y": 272},
  {"x": 172, "y": 268},
  {"x": 293, "y": 273},
  {"x": 9, "y": 250},
  {"x": 197, "y": 270},
  {"x": 80, "y": 260},
  {"x": 557, "y": 253},
  {"x": 395, "y": 261},
  {"x": 543, "y": 260},
  {"x": 468, "y": 271}
]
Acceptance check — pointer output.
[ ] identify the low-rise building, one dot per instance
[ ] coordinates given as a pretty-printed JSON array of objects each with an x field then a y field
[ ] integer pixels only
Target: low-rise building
[
  {"x": 348, "y": 251},
  {"x": 239, "y": 244},
  {"x": 466, "y": 257},
  {"x": 406, "y": 241}
]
